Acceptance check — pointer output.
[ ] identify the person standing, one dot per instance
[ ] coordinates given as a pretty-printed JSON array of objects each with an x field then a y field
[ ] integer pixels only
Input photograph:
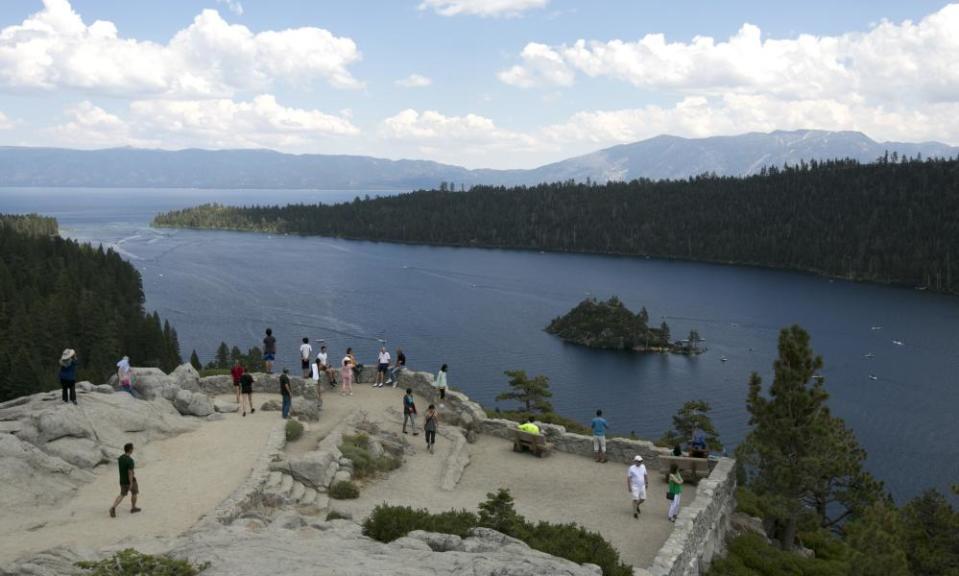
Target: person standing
[
  {"x": 599, "y": 426},
  {"x": 432, "y": 422},
  {"x": 306, "y": 352},
  {"x": 125, "y": 375},
  {"x": 322, "y": 360},
  {"x": 355, "y": 366},
  {"x": 439, "y": 383},
  {"x": 409, "y": 412},
  {"x": 346, "y": 374},
  {"x": 236, "y": 372},
  {"x": 397, "y": 368},
  {"x": 128, "y": 481},
  {"x": 68, "y": 375},
  {"x": 675, "y": 492},
  {"x": 246, "y": 388},
  {"x": 383, "y": 364},
  {"x": 269, "y": 350},
  {"x": 637, "y": 481},
  {"x": 286, "y": 392}
]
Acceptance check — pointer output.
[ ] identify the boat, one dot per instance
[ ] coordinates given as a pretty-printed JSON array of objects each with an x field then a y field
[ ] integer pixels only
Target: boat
[
  {"x": 870, "y": 355},
  {"x": 723, "y": 359},
  {"x": 877, "y": 327},
  {"x": 897, "y": 342},
  {"x": 873, "y": 377}
]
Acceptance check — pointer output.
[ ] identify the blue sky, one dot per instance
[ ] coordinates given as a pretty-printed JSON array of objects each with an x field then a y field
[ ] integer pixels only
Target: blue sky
[{"x": 482, "y": 83}]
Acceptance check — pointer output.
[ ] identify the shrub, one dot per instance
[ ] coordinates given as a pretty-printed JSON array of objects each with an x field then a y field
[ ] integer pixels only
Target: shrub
[
  {"x": 751, "y": 555},
  {"x": 293, "y": 430},
  {"x": 387, "y": 523},
  {"x": 129, "y": 562},
  {"x": 344, "y": 490},
  {"x": 577, "y": 544},
  {"x": 545, "y": 417},
  {"x": 334, "y": 515},
  {"x": 357, "y": 449}
]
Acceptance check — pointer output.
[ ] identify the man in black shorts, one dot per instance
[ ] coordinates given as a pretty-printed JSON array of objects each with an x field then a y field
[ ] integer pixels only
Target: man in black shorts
[
  {"x": 269, "y": 350},
  {"x": 128, "y": 481},
  {"x": 306, "y": 352},
  {"x": 246, "y": 391}
]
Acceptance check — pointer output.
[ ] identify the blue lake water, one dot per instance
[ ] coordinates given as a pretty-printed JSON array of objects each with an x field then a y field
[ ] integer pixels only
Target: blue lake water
[{"x": 483, "y": 311}]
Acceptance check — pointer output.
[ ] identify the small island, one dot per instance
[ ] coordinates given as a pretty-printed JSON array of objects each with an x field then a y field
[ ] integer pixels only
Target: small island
[{"x": 610, "y": 325}]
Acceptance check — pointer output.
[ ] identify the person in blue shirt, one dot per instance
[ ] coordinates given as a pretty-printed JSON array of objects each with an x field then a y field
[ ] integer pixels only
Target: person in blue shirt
[
  {"x": 599, "y": 426},
  {"x": 68, "y": 376},
  {"x": 697, "y": 446}
]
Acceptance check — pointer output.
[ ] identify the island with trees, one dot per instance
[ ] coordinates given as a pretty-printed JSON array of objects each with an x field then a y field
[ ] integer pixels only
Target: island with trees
[
  {"x": 610, "y": 325},
  {"x": 893, "y": 221}
]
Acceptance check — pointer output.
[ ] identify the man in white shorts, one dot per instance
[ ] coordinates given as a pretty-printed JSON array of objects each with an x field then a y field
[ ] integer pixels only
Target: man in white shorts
[{"x": 637, "y": 481}]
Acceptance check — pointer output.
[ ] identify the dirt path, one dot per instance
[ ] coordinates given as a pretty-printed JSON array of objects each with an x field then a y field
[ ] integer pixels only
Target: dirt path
[
  {"x": 181, "y": 478},
  {"x": 561, "y": 488}
]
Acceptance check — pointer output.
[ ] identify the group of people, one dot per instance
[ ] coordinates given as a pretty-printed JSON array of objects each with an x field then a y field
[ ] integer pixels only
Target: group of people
[{"x": 69, "y": 361}]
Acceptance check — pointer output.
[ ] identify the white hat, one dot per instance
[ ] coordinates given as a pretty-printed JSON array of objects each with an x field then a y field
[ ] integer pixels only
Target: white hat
[
  {"x": 67, "y": 354},
  {"x": 637, "y": 458}
]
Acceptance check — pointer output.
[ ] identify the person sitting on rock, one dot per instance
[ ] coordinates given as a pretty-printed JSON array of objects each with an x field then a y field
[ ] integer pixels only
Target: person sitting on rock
[
  {"x": 128, "y": 481},
  {"x": 697, "y": 446},
  {"x": 529, "y": 426},
  {"x": 125, "y": 375}
]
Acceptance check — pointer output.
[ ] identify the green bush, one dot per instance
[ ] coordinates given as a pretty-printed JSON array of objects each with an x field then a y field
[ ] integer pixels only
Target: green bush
[
  {"x": 294, "y": 430},
  {"x": 387, "y": 523},
  {"x": 357, "y": 449},
  {"x": 344, "y": 490},
  {"x": 334, "y": 515},
  {"x": 129, "y": 562},
  {"x": 751, "y": 555},
  {"x": 569, "y": 541}
]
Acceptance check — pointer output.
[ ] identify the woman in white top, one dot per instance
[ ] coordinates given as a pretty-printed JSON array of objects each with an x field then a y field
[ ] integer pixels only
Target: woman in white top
[
  {"x": 125, "y": 375},
  {"x": 439, "y": 382}
]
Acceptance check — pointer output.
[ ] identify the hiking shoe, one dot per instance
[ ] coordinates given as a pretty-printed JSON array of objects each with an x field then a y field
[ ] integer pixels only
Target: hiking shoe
[
  {"x": 635, "y": 514},
  {"x": 113, "y": 512},
  {"x": 135, "y": 510},
  {"x": 252, "y": 410},
  {"x": 244, "y": 414},
  {"x": 416, "y": 433}
]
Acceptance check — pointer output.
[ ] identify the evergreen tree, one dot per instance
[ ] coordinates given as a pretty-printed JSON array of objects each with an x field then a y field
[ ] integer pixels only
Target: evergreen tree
[
  {"x": 222, "y": 356},
  {"x": 694, "y": 414},
  {"x": 530, "y": 392},
  {"x": 195, "y": 361},
  {"x": 931, "y": 535},
  {"x": 877, "y": 540}
]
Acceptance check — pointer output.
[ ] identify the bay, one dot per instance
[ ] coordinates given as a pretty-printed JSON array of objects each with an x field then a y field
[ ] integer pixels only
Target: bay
[{"x": 483, "y": 311}]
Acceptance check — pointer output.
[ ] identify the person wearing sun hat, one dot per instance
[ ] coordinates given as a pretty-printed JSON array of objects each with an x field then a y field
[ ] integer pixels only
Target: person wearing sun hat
[
  {"x": 637, "y": 480},
  {"x": 68, "y": 375}
]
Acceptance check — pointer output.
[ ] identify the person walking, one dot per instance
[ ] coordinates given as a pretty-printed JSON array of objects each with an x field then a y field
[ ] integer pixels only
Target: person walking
[
  {"x": 637, "y": 481},
  {"x": 397, "y": 368},
  {"x": 286, "y": 392},
  {"x": 599, "y": 426},
  {"x": 382, "y": 365},
  {"x": 236, "y": 372},
  {"x": 674, "y": 493},
  {"x": 322, "y": 360},
  {"x": 125, "y": 375},
  {"x": 246, "y": 388},
  {"x": 409, "y": 412},
  {"x": 128, "y": 481},
  {"x": 346, "y": 374},
  {"x": 269, "y": 350},
  {"x": 439, "y": 383},
  {"x": 432, "y": 422},
  {"x": 306, "y": 352},
  {"x": 68, "y": 375}
]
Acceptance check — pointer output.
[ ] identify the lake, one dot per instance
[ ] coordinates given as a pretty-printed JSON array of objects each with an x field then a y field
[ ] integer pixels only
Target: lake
[{"x": 483, "y": 312}]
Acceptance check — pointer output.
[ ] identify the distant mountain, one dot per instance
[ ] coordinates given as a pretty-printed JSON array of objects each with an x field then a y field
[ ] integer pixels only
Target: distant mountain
[{"x": 657, "y": 158}]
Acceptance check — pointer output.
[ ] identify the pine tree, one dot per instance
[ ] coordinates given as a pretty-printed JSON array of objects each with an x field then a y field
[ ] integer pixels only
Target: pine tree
[
  {"x": 195, "y": 361},
  {"x": 222, "y": 356},
  {"x": 530, "y": 392},
  {"x": 694, "y": 414}
]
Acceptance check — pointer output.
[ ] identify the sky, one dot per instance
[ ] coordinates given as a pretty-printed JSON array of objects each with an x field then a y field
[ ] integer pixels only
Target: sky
[{"x": 477, "y": 83}]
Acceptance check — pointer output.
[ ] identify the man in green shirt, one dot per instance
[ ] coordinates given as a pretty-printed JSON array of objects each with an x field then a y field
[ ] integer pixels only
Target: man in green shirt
[{"x": 128, "y": 481}]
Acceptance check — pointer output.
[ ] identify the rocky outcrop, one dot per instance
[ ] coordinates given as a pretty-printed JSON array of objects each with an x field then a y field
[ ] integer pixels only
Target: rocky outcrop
[
  {"x": 193, "y": 403},
  {"x": 299, "y": 408}
]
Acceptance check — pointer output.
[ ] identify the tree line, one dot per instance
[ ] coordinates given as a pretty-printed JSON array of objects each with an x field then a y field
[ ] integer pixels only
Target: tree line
[
  {"x": 56, "y": 294},
  {"x": 892, "y": 221}
]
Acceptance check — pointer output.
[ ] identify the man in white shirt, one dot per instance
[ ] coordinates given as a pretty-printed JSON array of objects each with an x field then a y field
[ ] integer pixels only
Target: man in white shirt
[
  {"x": 323, "y": 362},
  {"x": 306, "y": 352},
  {"x": 636, "y": 483},
  {"x": 381, "y": 367}
]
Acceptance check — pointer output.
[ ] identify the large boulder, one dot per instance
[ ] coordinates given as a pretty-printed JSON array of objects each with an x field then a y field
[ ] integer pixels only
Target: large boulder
[
  {"x": 186, "y": 377},
  {"x": 62, "y": 421},
  {"x": 315, "y": 469},
  {"x": 150, "y": 383},
  {"x": 193, "y": 403},
  {"x": 225, "y": 407},
  {"x": 182, "y": 401},
  {"x": 28, "y": 477},
  {"x": 81, "y": 452},
  {"x": 216, "y": 385}
]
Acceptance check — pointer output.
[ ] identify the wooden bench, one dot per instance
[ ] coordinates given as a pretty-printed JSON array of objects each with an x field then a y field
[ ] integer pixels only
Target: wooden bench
[
  {"x": 691, "y": 468},
  {"x": 535, "y": 443}
]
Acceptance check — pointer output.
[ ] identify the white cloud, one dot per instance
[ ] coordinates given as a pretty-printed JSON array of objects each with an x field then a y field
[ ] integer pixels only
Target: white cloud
[
  {"x": 484, "y": 8},
  {"x": 5, "y": 122},
  {"x": 233, "y": 6},
  {"x": 414, "y": 81},
  {"x": 212, "y": 123},
  {"x": 55, "y": 49},
  {"x": 889, "y": 63}
]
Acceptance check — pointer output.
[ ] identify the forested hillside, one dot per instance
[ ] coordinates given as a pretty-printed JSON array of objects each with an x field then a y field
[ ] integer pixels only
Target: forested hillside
[
  {"x": 892, "y": 221},
  {"x": 57, "y": 294}
]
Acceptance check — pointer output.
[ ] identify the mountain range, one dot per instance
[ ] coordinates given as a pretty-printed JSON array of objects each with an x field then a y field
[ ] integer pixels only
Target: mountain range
[{"x": 661, "y": 157}]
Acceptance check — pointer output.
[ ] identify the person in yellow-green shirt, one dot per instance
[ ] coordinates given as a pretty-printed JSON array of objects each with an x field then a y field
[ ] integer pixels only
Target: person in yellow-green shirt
[{"x": 529, "y": 426}]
